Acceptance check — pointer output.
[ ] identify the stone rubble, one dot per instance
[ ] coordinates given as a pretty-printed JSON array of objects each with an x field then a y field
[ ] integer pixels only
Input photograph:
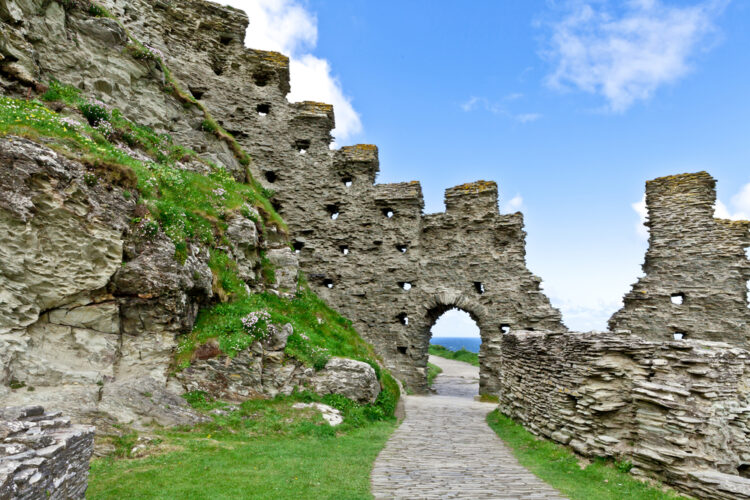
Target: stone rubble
[
  {"x": 42, "y": 455},
  {"x": 331, "y": 415}
]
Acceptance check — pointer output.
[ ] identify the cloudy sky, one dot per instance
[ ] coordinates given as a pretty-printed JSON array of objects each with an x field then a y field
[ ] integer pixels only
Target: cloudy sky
[{"x": 570, "y": 105}]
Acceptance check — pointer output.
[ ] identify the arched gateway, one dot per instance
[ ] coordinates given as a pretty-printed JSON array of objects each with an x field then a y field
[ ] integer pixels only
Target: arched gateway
[{"x": 371, "y": 253}]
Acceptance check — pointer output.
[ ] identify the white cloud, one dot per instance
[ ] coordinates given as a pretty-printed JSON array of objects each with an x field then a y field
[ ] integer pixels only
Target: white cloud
[
  {"x": 513, "y": 205},
  {"x": 625, "y": 54},
  {"x": 475, "y": 103},
  {"x": 740, "y": 206},
  {"x": 286, "y": 26},
  {"x": 642, "y": 211},
  {"x": 528, "y": 117}
]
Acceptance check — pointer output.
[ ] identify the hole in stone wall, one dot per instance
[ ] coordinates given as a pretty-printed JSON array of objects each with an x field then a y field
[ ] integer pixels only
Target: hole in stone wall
[
  {"x": 298, "y": 246},
  {"x": 276, "y": 204},
  {"x": 403, "y": 319},
  {"x": 263, "y": 109},
  {"x": 225, "y": 39},
  {"x": 401, "y": 349},
  {"x": 679, "y": 335},
  {"x": 405, "y": 285},
  {"x": 302, "y": 146},
  {"x": 333, "y": 211},
  {"x": 388, "y": 212},
  {"x": 505, "y": 328},
  {"x": 744, "y": 470},
  {"x": 328, "y": 283},
  {"x": 377, "y": 242},
  {"x": 344, "y": 249},
  {"x": 270, "y": 176},
  {"x": 348, "y": 181},
  {"x": 401, "y": 248},
  {"x": 261, "y": 77},
  {"x": 197, "y": 92},
  {"x": 479, "y": 287},
  {"x": 678, "y": 298}
]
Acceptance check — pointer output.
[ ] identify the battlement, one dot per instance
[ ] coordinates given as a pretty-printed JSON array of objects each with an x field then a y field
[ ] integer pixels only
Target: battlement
[
  {"x": 314, "y": 109},
  {"x": 355, "y": 162},
  {"x": 405, "y": 194},
  {"x": 478, "y": 197}
]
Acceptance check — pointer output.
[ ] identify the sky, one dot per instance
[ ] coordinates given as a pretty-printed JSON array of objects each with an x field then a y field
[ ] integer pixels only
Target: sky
[{"x": 569, "y": 105}]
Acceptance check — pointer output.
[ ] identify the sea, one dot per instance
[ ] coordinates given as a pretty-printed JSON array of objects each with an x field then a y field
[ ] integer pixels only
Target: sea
[{"x": 456, "y": 343}]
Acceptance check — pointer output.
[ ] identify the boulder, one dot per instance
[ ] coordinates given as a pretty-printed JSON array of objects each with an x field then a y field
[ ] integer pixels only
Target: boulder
[{"x": 354, "y": 379}]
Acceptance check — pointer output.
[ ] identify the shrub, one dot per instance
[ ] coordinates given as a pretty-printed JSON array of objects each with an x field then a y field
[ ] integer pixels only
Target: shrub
[{"x": 95, "y": 112}]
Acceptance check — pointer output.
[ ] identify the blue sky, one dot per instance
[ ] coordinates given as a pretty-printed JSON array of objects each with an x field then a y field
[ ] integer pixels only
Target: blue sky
[{"x": 569, "y": 105}]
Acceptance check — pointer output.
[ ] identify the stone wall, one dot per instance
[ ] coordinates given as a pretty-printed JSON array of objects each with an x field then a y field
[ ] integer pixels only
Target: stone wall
[
  {"x": 697, "y": 271},
  {"x": 679, "y": 410},
  {"x": 42, "y": 455},
  {"x": 366, "y": 248}
]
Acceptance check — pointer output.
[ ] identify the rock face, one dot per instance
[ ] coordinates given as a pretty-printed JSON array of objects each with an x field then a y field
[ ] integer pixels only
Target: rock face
[
  {"x": 42, "y": 455},
  {"x": 264, "y": 369},
  {"x": 697, "y": 271}
]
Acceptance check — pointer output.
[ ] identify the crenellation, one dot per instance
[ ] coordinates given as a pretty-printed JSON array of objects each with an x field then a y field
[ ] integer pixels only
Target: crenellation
[{"x": 475, "y": 198}]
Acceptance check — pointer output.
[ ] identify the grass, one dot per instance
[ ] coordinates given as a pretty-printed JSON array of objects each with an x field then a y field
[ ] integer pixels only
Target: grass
[
  {"x": 461, "y": 355},
  {"x": 559, "y": 467},
  {"x": 265, "y": 450},
  {"x": 432, "y": 372}
]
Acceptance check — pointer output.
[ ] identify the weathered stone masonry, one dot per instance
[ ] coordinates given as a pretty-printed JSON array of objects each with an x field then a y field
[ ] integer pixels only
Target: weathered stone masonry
[
  {"x": 669, "y": 390},
  {"x": 42, "y": 455},
  {"x": 696, "y": 268},
  {"x": 361, "y": 244}
]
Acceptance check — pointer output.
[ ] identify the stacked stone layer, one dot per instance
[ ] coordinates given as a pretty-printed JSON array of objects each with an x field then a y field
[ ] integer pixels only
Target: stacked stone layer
[
  {"x": 679, "y": 411},
  {"x": 42, "y": 455}
]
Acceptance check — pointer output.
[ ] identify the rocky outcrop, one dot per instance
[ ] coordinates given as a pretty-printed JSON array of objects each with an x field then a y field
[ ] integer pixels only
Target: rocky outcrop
[
  {"x": 91, "y": 308},
  {"x": 354, "y": 379},
  {"x": 264, "y": 370},
  {"x": 42, "y": 455}
]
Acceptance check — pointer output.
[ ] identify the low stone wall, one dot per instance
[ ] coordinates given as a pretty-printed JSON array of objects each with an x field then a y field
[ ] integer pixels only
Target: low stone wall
[
  {"x": 42, "y": 455},
  {"x": 679, "y": 411}
]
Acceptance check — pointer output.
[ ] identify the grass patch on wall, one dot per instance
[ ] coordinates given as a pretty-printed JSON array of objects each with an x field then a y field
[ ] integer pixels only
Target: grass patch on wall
[
  {"x": 559, "y": 467},
  {"x": 432, "y": 372},
  {"x": 461, "y": 355},
  {"x": 264, "y": 449}
]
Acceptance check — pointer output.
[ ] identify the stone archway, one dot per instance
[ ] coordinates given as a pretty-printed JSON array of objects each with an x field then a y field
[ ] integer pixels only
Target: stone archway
[{"x": 434, "y": 307}]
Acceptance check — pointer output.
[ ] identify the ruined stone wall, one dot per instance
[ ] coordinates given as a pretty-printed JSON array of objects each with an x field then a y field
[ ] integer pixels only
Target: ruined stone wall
[
  {"x": 693, "y": 259},
  {"x": 42, "y": 455},
  {"x": 361, "y": 244},
  {"x": 679, "y": 410}
]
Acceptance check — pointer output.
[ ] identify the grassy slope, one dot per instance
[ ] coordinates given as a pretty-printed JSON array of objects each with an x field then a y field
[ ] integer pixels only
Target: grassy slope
[
  {"x": 558, "y": 467},
  {"x": 461, "y": 355},
  {"x": 266, "y": 450}
]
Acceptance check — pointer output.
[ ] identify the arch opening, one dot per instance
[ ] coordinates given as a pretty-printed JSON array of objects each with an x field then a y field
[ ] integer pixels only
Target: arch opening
[{"x": 455, "y": 334}]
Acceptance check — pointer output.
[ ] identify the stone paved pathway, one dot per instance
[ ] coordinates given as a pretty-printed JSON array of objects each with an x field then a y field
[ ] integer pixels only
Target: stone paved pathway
[{"x": 445, "y": 449}]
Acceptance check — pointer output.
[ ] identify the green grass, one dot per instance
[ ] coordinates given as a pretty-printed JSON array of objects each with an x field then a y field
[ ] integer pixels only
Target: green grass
[
  {"x": 432, "y": 372},
  {"x": 266, "y": 450},
  {"x": 461, "y": 355},
  {"x": 558, "y": 467}
]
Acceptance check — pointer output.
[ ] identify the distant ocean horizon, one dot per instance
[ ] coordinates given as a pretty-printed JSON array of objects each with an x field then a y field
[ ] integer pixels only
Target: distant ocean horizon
[{"x": 456, "y": 343}]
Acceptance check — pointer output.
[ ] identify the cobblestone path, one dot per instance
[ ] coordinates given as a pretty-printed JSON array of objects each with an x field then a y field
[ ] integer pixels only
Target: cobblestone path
[{"x": 445, "y": 449}]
